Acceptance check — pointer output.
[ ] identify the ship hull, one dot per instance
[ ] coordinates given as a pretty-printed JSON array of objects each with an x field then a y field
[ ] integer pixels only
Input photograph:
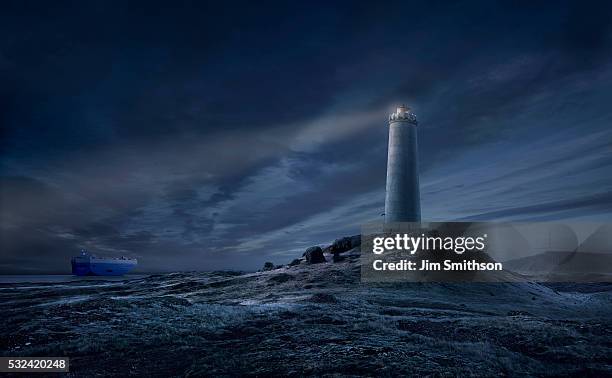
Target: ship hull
[{"x": 102, "y": 268}]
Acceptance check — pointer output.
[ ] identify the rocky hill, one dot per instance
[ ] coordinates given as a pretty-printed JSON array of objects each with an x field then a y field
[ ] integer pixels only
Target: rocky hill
[{"x": 310, "y": 318}]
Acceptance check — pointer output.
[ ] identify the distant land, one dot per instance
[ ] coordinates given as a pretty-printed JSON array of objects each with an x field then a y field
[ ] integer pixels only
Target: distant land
[{"x": 578, "y": 265}]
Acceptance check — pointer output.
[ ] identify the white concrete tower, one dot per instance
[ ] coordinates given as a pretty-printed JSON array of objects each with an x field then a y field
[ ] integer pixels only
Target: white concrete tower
[{"x": 402, "y": 200}]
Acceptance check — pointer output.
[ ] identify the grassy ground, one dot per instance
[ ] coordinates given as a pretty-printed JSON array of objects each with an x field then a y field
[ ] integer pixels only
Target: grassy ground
[{"x": 310, "y": 320}]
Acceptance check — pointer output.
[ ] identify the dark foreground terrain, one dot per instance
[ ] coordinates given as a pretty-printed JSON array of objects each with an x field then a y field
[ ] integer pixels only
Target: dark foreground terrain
[{"x": 309, "y": 320}]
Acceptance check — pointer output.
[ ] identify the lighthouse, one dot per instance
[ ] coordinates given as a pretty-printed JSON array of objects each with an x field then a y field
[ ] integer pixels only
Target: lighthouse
[{"x": 402, "y": 199}]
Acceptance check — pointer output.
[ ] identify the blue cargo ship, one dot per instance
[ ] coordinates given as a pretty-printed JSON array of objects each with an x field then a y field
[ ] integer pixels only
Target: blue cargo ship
[{"x": 89, "y": 265}]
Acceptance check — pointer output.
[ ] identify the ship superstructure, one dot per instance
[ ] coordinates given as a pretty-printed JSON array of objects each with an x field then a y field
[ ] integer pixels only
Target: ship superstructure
[{"x": 87, "y": 264}]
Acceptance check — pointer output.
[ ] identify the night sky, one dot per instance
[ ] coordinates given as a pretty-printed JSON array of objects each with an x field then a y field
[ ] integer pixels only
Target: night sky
[{"x": 220, "y": 135}]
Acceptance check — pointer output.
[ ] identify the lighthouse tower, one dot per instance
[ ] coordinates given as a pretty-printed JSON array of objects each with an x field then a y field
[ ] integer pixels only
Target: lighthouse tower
[{"x": 402, "y": 200}]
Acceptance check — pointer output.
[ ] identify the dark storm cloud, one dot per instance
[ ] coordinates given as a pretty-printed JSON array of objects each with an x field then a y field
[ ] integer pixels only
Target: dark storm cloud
[{"x": 197, "y": 136}]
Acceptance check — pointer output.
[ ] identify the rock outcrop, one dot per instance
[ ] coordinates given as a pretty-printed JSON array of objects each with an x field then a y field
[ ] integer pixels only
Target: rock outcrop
[
  {"x": 345, "y": 244},
  {"x": 295, "y": 262},
  {"x": 314, "y": 255}
]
